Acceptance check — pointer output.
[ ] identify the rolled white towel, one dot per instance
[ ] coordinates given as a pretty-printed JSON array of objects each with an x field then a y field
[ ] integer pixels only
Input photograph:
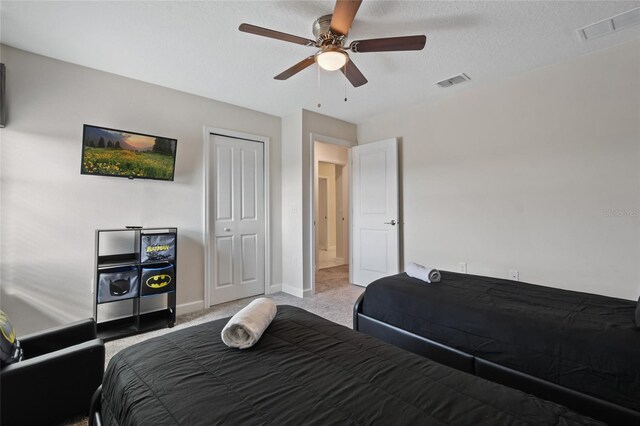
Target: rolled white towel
[
  {"x": 245, "y": 328},
  {"x": 423, "y": 273}
]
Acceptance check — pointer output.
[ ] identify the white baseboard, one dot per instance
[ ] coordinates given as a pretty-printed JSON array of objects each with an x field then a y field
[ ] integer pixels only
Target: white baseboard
[
  {"x": 275, "y": 288},
  {"x": 187, "y": 308},
  {"x": 307, "y": 293},
  {"x": 294, "y": 291}
]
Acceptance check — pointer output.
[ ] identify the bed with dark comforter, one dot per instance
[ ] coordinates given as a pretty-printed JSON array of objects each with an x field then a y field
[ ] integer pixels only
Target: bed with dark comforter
[
  {"x": 304, "y": 370},
  {"x": 583, "y": 342}
]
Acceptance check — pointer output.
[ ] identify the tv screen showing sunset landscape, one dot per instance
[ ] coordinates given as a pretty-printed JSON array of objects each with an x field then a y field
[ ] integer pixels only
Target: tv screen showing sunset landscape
[{"x": 110, "y": 152}]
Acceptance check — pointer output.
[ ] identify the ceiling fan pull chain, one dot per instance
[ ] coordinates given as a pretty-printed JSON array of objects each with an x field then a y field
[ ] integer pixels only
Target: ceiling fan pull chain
[
  {"x": 319, "y": 92},
  {"x": 345, "y": 81}
]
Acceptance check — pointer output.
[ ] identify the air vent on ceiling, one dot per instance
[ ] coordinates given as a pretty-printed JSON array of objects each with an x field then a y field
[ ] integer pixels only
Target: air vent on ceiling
[
  {"x": 460, "y": 78},
  {"x": 610, "y": 25}
]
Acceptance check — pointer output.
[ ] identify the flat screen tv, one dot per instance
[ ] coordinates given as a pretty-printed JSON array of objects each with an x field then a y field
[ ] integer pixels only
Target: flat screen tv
[{"x": 111, "y": 152}]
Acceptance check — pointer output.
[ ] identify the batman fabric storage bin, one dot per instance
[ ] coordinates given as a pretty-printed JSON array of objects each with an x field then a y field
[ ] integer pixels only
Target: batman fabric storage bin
[
  {"x": 158, "y": 247},
  {"x": 117, "y": 284},
  {"x": 157, "y": 280}
]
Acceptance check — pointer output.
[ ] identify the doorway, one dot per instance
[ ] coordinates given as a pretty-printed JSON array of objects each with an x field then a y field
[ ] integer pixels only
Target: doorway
[
  {"x": 331, "y": 216},
  {"x": 237, "y": 214},
  {"x": 322, "y": 216}
]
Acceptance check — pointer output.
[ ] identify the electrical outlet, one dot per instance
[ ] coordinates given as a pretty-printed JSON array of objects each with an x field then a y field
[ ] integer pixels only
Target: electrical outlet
[
  {"x": 462, "y": 267},
  {"x": 513, "y": 275}
]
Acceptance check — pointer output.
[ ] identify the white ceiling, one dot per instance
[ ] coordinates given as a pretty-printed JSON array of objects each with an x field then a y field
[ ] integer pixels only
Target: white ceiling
[{"x": 196, "y": 46}]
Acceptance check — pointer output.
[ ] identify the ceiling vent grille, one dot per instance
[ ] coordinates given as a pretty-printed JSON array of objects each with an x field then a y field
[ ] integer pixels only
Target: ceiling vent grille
[
  {"x": 610, "y": 25},
  {"x": 457, "y": 79}
]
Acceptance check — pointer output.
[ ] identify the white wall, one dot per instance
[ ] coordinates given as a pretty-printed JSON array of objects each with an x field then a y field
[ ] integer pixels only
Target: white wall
[
  {"x": 329, "y": 153},
  {"x": 292, "y": 204},
  {"x": 297, "y": 178},
  {"x": 49, "y": 211},
  {"x": 540, "y": 173}
]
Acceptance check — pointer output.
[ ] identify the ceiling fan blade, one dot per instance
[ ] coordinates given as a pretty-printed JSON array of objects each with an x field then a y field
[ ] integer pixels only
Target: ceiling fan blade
[
  {"x": 296, "y": 68},
  {"x": 265, "y": 32},
  {"x": 353, "y": 74},
  {"x": 343, "y": 15},
  {"x": 390, "y": 44}
]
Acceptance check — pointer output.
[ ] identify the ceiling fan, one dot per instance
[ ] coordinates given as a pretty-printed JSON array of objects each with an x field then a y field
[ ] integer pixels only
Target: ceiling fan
[{"x": 331, "y": 33}]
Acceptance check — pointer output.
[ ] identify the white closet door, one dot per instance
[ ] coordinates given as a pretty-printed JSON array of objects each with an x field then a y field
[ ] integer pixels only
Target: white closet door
[{"x": 238, "y": 246}]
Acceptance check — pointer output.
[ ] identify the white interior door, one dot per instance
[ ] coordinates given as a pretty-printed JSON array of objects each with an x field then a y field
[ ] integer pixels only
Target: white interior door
[
  {"x": 238, "y": 247},
  {"x": 374, "y": 189}
]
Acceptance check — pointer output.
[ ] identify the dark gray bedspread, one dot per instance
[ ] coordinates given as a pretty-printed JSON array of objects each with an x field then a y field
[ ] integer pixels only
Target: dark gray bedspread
[
  {"x": 581, "y": 341},
  {"x": 304, "y": 370}
]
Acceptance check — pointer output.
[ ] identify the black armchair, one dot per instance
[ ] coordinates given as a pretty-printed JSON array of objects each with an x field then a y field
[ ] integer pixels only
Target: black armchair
[{"x": 61, "y": 369}]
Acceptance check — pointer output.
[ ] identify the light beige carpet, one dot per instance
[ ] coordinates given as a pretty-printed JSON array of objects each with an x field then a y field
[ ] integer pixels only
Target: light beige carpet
[
  {"x": 333, "y": 300},
  {"x": 329, "y": 279}
]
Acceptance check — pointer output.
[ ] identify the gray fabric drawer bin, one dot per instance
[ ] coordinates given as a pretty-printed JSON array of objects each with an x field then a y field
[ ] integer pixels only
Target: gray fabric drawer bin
[
  {"x": 157, "y": 280},
  {"x": 158, "y": 248},
  {"x": 118, "y": 284}
]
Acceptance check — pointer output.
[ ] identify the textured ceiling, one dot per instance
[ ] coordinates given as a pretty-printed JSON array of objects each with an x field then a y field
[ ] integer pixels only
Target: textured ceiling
[{"x": 196, "y": 46}]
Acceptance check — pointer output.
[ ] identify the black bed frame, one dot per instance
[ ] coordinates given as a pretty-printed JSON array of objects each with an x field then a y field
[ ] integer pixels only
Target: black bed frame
[
  {"x": 95, "y": 409},
  {"x": 582, "y": 403}
]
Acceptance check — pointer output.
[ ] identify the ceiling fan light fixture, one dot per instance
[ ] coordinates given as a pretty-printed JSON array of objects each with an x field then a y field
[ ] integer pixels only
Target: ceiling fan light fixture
[
  {"x": 331, "y": 32},
  {"x": 332, "y": 60}
]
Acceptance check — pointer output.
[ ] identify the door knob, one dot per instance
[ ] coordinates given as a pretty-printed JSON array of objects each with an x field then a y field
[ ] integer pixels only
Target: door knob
[
  {"x": 227, "y": 229},
  {"x": 392, "y": 223}
]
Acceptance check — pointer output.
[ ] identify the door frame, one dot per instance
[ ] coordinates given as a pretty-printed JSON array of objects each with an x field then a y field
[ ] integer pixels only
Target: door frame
[
  {"x": 311, "y": 266},
  {"x": 209, "y": 249}
]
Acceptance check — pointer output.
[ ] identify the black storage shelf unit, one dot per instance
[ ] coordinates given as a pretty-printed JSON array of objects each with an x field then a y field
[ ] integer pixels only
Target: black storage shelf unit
[
  {"x": 116, "y": 260},
  {"x": 123, "y": 327},
  {"x": 126, "y": 265}
]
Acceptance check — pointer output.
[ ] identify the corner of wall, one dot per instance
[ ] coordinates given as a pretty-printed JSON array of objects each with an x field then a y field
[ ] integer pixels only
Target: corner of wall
[
  {"x": 275, "y": 288},
  {"x": 294, "y": 291}
]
